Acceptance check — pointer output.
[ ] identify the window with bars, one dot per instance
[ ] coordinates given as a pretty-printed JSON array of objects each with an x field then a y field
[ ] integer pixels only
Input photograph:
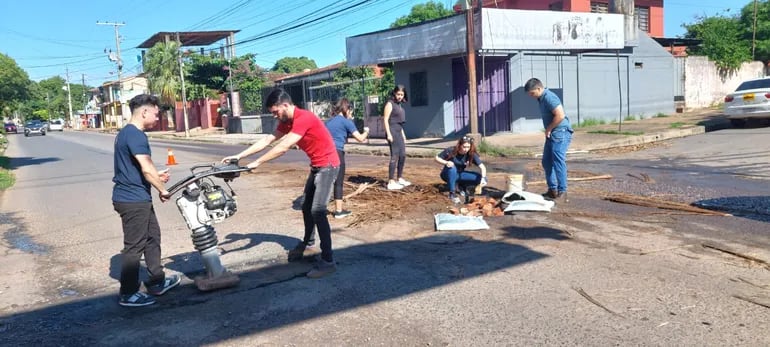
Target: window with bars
[
  {"x": 641, "y": 13},
  {"x": 418, "y": 88}
]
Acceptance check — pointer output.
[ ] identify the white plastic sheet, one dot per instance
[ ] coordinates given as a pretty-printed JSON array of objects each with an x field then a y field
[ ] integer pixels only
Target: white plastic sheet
[
  {"x": 450, "y": 222},
  {"x": 526, "y": 201}
]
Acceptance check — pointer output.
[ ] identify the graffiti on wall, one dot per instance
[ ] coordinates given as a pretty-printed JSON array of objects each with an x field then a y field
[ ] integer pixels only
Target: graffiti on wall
[{"x": 519, "y": 29}]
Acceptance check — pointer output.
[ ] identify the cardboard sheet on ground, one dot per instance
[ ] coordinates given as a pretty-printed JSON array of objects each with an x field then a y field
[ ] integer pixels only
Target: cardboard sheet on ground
[
  {"x": 526, "y": 201},
  {"x": 450, "y": 222}
]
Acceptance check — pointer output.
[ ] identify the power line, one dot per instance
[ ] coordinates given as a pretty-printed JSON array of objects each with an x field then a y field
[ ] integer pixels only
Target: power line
[
  {"x": 221, "y": 14},
  {"x": 308, "y": 22},
  {"x": 63, "y": 64},
  {"x": 331, "y": 32}
]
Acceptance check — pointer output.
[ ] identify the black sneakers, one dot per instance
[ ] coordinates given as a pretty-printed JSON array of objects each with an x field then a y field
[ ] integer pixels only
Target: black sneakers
[
  {"x": 161, "y": 288},
  {"x": 139, "y": 299},
  {"x": 136, "y": 300},
  {"x": 341, "y": 214}
]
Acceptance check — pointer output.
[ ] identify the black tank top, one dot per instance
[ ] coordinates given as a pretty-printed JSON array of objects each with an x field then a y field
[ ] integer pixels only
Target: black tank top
[{"x": 397, "y": 114}]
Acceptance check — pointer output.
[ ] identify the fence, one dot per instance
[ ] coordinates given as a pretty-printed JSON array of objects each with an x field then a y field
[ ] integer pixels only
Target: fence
[
  {"x": 362, "y": 94},
  {"x": 367, "y": 96}
]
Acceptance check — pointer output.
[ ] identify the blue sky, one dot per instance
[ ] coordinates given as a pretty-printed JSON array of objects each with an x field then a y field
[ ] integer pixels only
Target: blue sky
[{"x": 47, "y": 37}]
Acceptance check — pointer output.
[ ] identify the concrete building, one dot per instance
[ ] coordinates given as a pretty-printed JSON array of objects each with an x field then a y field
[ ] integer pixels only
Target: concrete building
[
  {"x": 648, "y": 13},
  {"x": 115, "y": 96},
  {"x": 585, "y": 58}
]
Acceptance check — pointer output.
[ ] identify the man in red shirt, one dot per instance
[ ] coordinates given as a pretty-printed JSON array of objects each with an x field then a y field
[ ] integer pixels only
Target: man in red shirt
[{"x": 304, "y": 129}]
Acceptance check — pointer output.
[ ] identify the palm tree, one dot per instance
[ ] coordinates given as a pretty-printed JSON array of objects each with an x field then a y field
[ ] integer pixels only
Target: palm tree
[{"x": 162, "y": 69}]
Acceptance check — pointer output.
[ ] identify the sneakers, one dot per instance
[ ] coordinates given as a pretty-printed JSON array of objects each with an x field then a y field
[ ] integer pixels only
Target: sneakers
[
  {"x": 404, "y": 182},
  {"x": 341, "y": 214},
  {"x": 454, "y": 198},
  {"x": 136, "y": 300},
  {"x": 465, "y": 195},
  {"x": 161, "y": 288},
  {"x": 392, "y": 185},
  {"x": 322, "y": 268},
  {"x": 302, "y": 251}
]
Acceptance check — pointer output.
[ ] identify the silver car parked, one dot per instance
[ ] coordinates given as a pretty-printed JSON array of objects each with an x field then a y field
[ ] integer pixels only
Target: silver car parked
[{"x": 750, "y": 100}]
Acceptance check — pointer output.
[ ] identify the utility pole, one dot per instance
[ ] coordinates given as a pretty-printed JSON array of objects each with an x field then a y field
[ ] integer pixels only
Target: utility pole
[
  {"x": 48, "y": 102},
  {"x": 69, "y": 97},
  {"x": 471, "y": 52},
  {"x": 754, "y": 32},
  {"x": 117, "y": 58},
  {"x": 85, "y": 100},
  {"x": 184, "y": 96}
]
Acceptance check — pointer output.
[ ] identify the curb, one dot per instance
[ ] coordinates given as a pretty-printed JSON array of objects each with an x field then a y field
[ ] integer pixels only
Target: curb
[
  {"x": 642, "y": 139},
  {"x": 385, "y": 152},
  {"x": 429, "y": 152}
]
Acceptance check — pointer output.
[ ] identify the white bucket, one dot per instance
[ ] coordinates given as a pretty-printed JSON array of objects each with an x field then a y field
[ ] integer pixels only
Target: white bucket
[{"x": 515, "y": 183}]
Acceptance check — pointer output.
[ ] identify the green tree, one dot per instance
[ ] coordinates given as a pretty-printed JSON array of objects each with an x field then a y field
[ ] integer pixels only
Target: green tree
[
  {"x": 35, "y": 102},
  {"x": 248, "y": 78},
  {"x": 762, "y": 43},
  {"x": 14, "y": 83},
  {"x": 205, "y": 75},
  {"x": 423, "y": 12},
  {"x": 362, "y": 83},
  {"x": 54, "y": 96},
  {"x": 722, "y": 39},
  {"x": 162, "y": 69},
  {"x": 293, "y": 64}
]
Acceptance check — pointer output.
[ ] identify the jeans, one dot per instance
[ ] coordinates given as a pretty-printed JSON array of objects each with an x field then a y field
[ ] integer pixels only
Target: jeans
[
  {"x": 555, "y": 159},
  {"x": 318, "y": 189},
  {"x": 463, "y": 178},
  {"x": 340, "y": 176},
  {"x": 397, "y": 152},
  {"x": 141, "y": 235}
]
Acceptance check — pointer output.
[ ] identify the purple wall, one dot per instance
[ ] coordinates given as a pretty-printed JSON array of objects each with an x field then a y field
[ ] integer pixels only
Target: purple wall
[{"x": 492, "y": 88}]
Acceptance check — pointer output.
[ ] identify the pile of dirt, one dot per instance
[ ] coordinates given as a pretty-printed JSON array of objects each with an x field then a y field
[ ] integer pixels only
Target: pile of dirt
[{"x": 376, "y": 204}]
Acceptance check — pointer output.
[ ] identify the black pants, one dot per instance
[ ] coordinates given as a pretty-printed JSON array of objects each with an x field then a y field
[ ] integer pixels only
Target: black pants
[
  {"x": 397, "y": 152},
  {"x": 340, "y": 176},
  {"x": 318, "y": 188},
  {"x": 141, "y": 235}
]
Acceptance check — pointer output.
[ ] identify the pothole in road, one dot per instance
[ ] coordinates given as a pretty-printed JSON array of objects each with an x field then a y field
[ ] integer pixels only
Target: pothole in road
[
  {"x": 68, "y": 292},
  {"x": 754, "y": 207},
  {"x": 23, "y": 242}
]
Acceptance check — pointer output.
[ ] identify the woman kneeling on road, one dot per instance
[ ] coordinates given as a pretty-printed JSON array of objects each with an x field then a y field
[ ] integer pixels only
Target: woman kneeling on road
[{"x": 455, "y": 160}]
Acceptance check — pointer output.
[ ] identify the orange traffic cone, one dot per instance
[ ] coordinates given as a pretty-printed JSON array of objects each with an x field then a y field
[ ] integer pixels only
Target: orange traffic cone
[{"x": 171, "y": 160}]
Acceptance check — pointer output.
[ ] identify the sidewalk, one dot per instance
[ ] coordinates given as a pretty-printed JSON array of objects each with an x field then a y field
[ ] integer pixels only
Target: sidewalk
[{"x": 585, "y": 139}]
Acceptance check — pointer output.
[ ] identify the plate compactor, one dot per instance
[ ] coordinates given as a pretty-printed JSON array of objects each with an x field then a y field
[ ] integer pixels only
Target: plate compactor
[{"x": 202, "y": 204}]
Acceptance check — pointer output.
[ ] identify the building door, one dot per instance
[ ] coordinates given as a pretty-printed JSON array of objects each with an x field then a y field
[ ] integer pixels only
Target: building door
[{"x": 492, "y": 89}]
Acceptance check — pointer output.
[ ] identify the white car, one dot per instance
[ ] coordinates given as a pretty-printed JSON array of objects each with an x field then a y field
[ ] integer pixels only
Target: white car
[
  {"x": 750, "y": 100},
  {"x": 56, "y": 125}
]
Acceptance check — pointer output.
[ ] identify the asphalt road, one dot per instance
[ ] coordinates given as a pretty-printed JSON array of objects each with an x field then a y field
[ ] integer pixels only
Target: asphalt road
[{"x": 590, "y": 273}]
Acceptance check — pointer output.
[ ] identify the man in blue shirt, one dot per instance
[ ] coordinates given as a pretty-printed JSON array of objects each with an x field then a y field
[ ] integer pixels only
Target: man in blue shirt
[
  {"x": 135, "y": 173},
  {"x": 558, "y": 135},
  {"x": 340, "y": 127}
]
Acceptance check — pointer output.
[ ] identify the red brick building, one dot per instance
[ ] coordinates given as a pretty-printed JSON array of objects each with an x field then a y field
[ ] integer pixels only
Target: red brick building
[{"x": 649, "y": 13}]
